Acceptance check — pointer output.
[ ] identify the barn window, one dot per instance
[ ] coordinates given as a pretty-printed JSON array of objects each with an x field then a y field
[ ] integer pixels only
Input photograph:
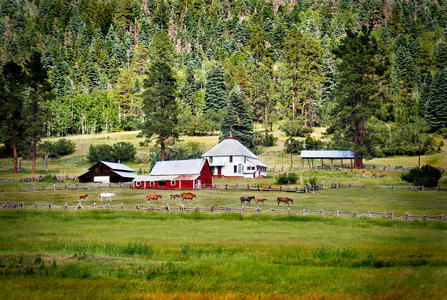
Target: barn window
[
  {"x": 172, "y": 182},
  {"x": 152, "y": 183},
  {"x": 162, "y": 183},
  {"x": 138, "y": 183},
  {"x": 231, "y": 160}
]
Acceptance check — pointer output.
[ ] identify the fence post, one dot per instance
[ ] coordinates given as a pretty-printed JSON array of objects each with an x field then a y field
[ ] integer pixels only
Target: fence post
[
  {"x": 226, "y": 186},
  {"x": 368, "y": 214},
  {"x": 354, "y": 215},
  {"x": 296, "y": 189},
  {"x": 182, "y": 207},
  {"x": 442, "y": 217},
  {"x": 280, "y": 188},
  {"x": 43, "y": 187},
  {"x": 49, "y": 205},
  {"x": 422, "y": 187},
  {"x": 321, "y": 212},
  {"x": 322, "y": 185},
  {"x": 272, "y": 211},
  {"x": 391, "y": 215},
  {"x": 304, "y": 211},
  {"x": 121, "y": 206},
  {"x": 79, "y": 206},
  {"x": 257, "y": 209},
  {"x": 227, "y": 209},
  {"x": 337, "y": 213},
  {"x": 270, "y": 186},
  {"x": 258, "y": 187},
  {"x": 167, "y": 207},
  {"x": 65, "y": 205},
  {"x": 248, "y": 187},
  {"x": 237, "y": 186},
  {"x": 76, "y": 186},
  {"x": 213, "y": 208},
  {"x": 242, "y": 209},
  {"x": 36, "y": 206},
  {"x": 137, "y": 206},
  {"x": 108, "y": 206},
  {"x": 349, "y": 186}
]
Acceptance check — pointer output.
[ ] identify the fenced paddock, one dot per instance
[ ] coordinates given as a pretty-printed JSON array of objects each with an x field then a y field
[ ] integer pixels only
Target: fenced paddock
[{"x": 227, "y": 210}]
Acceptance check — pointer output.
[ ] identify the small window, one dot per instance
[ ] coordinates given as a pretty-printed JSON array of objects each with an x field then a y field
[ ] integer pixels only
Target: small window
[
  {"x": 172, "y": 182},
  {"x": 162, "y": 183},
  {"x": 235, "y": 169},
  {"x": 231, "y": 160},
  {"x": 239, "y": 169},
  {"x": 245, "y": 159},
  {"x": 138, "y": 183},
  {"x": 211, "y": 160},
  {"x": 151, "y": 183}
]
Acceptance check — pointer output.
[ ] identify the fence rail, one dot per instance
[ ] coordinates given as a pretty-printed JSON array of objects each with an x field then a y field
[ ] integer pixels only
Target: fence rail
[{"x": 227, "y": 209}]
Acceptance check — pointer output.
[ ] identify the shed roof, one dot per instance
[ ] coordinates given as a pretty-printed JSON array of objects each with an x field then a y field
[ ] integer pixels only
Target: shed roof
[
  {"x": 178, "y": 167},
  {"x": 166, "y": 177},
  {"x": 257, "y": 162},
  {"x": 117, "y": 166},
  {"x": 125, "y": 174},
  {"x": 227, "y": 147},
  {"x": 337, "y": 154}
]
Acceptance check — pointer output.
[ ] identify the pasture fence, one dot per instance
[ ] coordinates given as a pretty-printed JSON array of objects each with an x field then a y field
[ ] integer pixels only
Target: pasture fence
[
  {"x": 244, "y": 210},
  {"x": 241, "y": 187}
]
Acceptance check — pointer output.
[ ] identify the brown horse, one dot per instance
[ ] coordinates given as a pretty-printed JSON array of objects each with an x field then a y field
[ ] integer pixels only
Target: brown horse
[
  {"x": 174, "y": 196},
  {"x": 284, "y": 199},
  {"x": 247, "y": 199},
  {"x": 188, "y": 196},
  {"x": 260, "y": 200},
  {"x": 83, "y": 197},
  {"x": 154, "y": 197}
]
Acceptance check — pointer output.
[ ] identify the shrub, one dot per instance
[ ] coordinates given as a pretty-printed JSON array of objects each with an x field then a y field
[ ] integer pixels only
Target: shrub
[
  {"x": 313, "y": 181},
  {"x": 48, "y": 178},
  {"x": 290, "y": 178},
  {"x": 427, "y": 176},
  {"x": 264, "y": 139},
  {"x": 122, "y": 151},
  {"x": 58, "y": 148},
  {"x": 295, "y": 128}
]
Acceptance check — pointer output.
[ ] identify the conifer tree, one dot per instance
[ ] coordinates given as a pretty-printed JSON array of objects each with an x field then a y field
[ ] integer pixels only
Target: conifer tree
[
  {"x": 436, "y": 105},
  {"x": 159, "y": 98},
  {"x": 441, "y": 56},
  {"x": 236, "y": 120},
  {"x": 425, "y": 95},
  {"x": 395, "y": 21},
  {"x": 215, "y": 91}
]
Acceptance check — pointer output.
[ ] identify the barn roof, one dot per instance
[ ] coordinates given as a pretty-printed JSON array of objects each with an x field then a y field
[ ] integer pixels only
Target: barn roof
[
  {"x": 117, "y": 166},
  {"x": 166, "y": 177},
  {"x": 125, "y": 174},
  {"x": 178, "y": 167},
  {"x": 336, "y": 154},
  {"x": 229, "y": 147}
]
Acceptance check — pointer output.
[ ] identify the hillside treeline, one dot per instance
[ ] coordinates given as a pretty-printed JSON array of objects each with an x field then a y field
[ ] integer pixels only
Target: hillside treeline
[{"x": 280, "y": 55}]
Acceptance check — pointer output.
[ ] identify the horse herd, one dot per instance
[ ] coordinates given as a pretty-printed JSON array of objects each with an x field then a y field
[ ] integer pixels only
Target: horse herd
[
  {"x": 191, "y": 196},
  {"x": 248, "y": 199}
]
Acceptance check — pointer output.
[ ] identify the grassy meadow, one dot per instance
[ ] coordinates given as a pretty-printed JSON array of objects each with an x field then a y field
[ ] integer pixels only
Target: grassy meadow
[{"x": 116, "y": 254}]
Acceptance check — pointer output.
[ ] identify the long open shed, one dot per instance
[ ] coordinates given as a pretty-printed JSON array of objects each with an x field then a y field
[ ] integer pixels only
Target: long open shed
[{"x": 331, "y": 155}]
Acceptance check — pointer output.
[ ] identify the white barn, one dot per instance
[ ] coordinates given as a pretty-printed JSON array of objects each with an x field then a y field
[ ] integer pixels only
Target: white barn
[{"x": 230, "y": 158}]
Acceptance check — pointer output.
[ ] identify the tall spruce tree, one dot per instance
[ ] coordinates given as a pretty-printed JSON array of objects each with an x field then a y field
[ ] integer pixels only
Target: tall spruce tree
[
  {"x": 215, "y": 91},
  {"x": 236, "y": 121},
  {"x": 356, "y": 92},
  {"x": 426, "y": 95},
  {"x": 159, "y": 100},
  {"x": 436, "y": 105}
]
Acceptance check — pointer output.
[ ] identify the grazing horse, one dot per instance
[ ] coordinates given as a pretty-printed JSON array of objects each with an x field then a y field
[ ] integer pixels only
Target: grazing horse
[
  {"x": 154, "y": 197},
  {"x": 106, "y": 196},
  {"x": 247, "y": 199},
  {"x": 83, "y": 197},
  {"x": 284, "y": 199},
  {"x": 188, "y": 196},
  {"x": 260, "y": 200},
  {"x": 174, "y": 196}
]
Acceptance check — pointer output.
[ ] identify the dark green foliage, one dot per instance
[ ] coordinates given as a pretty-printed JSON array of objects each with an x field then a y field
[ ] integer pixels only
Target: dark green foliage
[
  {"x": 215, "y": 90},
  {"x": 441, "y": 56},
  {"x": 236, "y": 121},
  {"x": 49, "y": 178},
  {"x": 426, "y": 176},
  {"x": 436, "y": 103},
  {"x": 121, "y": 151},
  {"x": 287, "y": 178},
  {"x": 264, "y": 139},
  {"x": 295, "y": 128},
  {"x": 59, "y": 148}
]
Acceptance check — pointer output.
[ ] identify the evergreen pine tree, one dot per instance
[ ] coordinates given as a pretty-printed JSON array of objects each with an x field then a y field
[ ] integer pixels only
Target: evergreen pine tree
[
  {"x": 441, "y": 56},
  {"x": 395, "y": 21},
  {"x": 437, "y": 104},
  {"x": 91, "y": 75},
  {"x": 215, "y": 91},
  {"x": 425, "y": 95},
  {"x": 236, "y": 120}
]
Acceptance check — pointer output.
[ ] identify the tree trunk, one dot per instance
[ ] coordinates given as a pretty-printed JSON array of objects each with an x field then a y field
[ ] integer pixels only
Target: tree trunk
[
  {"x": 14, "y": 149},
  {"x": 34, "y": 154},
  {"x": 162, "y": 149},
  {"x": 293, "y": 111},
  {"x": 266, "y": 111},
  {"x": 46, "y": 161},
  {"x": 358, "y": 164}
]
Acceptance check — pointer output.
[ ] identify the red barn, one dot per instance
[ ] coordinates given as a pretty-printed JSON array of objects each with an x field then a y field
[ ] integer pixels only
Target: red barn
[{"x": 177, "y": 174}]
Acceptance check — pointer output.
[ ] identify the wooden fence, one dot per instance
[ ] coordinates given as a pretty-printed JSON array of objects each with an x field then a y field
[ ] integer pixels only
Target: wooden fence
[
  {"x": 227, "y": 209},
  {"x": 242, "y": 187}
]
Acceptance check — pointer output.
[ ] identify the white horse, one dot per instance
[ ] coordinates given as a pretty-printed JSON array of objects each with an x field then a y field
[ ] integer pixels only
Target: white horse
[{"x": 106, "y": 196}]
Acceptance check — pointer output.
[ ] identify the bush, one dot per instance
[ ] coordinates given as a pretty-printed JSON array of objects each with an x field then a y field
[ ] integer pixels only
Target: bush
[
  {"x": 290, "y": 178},
  {"x": 58, "y": 148},
  {"x": 264, "y": 139},
  {"x": 48, "y": 178},
  {"x": 427, "y": 176},
  {"x": 122, "y": 151},
  {"x": 295, "y": 128},
  {"x": 313, "y": 182}
]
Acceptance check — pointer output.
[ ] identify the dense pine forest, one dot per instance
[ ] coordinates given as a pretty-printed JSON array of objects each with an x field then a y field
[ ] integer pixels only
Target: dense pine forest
[{"x": 373, "y": 72}]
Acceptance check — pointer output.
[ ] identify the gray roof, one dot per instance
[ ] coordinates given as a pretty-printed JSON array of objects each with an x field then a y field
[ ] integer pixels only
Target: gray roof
[
  {"x": 229, "y": 147},
  {"x": 116, "y": 166},
  {"x": 125, "y": 174},
  {"x": 257, "y": 162},
  {"x": 337, "y": 154},
  {"x": 178, "y": 167}
]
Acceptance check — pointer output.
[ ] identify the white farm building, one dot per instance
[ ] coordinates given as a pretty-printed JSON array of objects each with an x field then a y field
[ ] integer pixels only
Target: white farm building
[{"x": 230, "y": 158}]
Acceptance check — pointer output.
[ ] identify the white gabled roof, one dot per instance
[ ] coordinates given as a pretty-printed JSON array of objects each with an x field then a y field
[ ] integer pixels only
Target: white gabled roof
[
  {"x": 116, "y": 166},
  {"x": 227, "y": 147},
  {"x": 178, "y": 167}
]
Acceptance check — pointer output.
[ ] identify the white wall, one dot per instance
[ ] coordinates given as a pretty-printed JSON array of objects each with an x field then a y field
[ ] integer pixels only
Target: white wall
[{"x": 228, "y": 167}]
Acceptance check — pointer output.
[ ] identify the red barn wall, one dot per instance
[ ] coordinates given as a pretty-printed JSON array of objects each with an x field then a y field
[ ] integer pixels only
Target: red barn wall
[{"x": 206, "y": 177}]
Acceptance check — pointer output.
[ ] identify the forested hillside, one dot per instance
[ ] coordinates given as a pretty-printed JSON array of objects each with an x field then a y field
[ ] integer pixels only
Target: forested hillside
[{"x": 283, "y": 59}]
